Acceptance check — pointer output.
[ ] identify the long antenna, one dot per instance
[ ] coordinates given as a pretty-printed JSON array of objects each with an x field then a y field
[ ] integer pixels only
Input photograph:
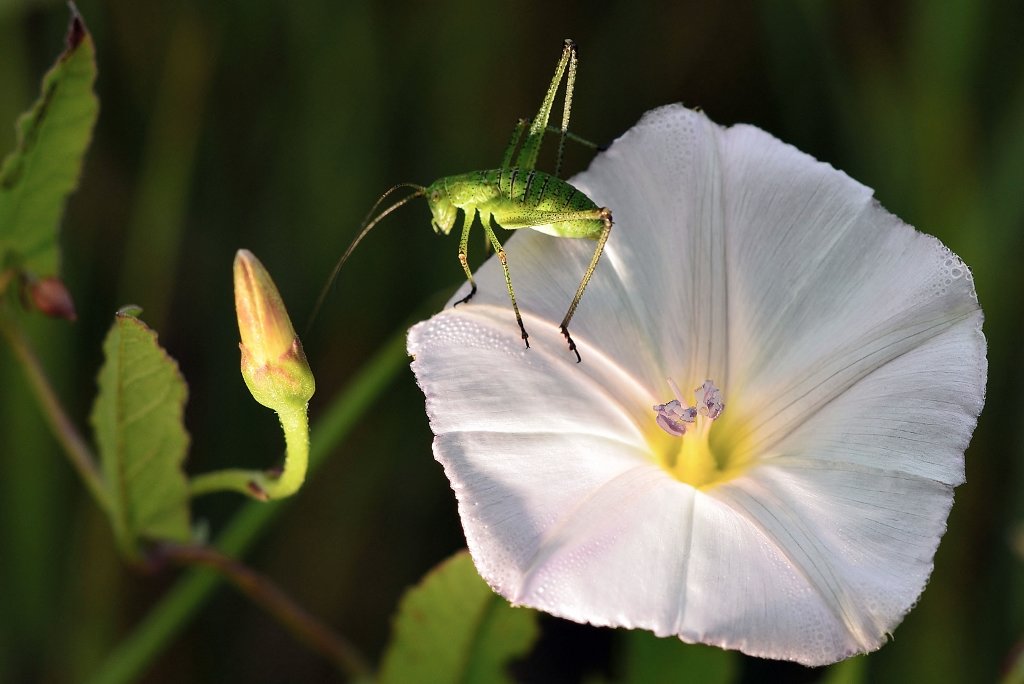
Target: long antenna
[{"x": 367, "y": 224}]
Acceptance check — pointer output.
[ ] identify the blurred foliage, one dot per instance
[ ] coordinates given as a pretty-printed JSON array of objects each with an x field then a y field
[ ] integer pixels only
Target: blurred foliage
[{"x": 274, "y": 126}]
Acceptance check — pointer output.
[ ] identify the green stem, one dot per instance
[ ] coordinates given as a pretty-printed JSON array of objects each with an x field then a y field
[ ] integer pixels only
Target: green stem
[
  {"x": 75, "y": 446},
  {"x": 295, "y": 424},
  {"x": 170, "y": 615},
  {"x": 260, "y": 484},
  {"x": 262, "y": 591},
  {"x": 238, "y": 480}
]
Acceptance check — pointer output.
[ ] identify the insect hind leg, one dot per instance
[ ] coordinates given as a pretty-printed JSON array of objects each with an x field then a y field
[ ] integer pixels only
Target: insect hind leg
[
  {"x": 570, "y": 80},
  {"x": 517, "y": 134},
  {"x": 606, "y": 217},
  {"x": 531, "y": 146},
  {"x": 601, "y": 220}
]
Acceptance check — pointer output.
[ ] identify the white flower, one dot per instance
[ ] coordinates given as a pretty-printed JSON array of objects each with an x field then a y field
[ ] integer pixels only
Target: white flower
[{"x": 801, "y": 524}]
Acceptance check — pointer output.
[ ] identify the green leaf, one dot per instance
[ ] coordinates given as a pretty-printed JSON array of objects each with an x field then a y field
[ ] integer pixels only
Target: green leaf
[
  {"x": 648, "y": 658},
  {"x": 43, "y": 169},
  {"x": 452, "y": 628},
  {"x": 141, "y": 436}
]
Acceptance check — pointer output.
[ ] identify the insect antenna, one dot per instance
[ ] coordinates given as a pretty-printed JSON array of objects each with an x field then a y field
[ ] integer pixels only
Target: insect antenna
[{"x": 367, "y": 224}]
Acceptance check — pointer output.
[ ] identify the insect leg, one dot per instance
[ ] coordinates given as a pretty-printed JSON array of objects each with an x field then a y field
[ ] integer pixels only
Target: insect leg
[
  {"x": 517, "y": 134},
  {"x": 531, "y": 147},
  {"x": 606, "y": 218},
  {"x": 540, "y": 218},
  {"x": 569, "y": 135},
  {"x": 467, "y": 223},
  {"x": 508, "y": 278},
  {"x": 570, "y": 81}
]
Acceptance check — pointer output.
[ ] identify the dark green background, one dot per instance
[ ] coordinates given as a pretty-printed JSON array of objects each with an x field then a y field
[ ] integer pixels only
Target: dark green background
[{"x": 275, "y": 126}]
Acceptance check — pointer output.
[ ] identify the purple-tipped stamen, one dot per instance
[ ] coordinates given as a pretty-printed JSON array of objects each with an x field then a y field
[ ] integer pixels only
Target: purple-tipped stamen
[{"x": 673, "y": 417}]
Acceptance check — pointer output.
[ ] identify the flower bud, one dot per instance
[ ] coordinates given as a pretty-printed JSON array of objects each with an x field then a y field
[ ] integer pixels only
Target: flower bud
[
  {"x": 50, "y": 297},
  {"x": 273, "y": 363}
]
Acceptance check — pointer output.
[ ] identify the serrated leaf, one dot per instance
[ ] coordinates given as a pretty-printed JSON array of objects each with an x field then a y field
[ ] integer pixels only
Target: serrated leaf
[
  {"x": 37, "y": 177},
  {"x": 651, "y": 659},
  {"x": 452, "y": 628},
  {"x": 138, "y": 422}
]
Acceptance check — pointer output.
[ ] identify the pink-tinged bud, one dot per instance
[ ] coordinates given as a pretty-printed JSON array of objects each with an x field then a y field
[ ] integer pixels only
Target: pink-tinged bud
[
  {"x": 273, "y": 363},
  {"x": 51, "y": 298}
]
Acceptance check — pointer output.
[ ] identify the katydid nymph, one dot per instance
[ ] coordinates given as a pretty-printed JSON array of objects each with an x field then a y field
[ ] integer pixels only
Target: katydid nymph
[{"x": 514, "y": 196}]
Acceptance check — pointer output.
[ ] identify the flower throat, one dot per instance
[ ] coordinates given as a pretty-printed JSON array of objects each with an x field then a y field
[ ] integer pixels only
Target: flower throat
[{"x": 689, "y": 458}]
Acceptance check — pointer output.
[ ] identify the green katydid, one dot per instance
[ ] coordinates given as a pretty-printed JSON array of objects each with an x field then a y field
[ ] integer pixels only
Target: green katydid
[{"x": 513, "y": 196}]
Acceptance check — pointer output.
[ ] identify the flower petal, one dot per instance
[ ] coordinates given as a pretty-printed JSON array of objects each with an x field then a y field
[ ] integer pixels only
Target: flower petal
[
  {"x": 596, "y": 548},
  {"x": 478, "y": 377},
  {"x": 826, "y": 287},
  {"x": 855, "y": 499},
  {"x": 913, "y": 417}
]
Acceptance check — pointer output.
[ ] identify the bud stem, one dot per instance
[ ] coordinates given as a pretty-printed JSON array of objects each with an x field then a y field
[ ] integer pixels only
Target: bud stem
[{"x": 261, "y": 484}]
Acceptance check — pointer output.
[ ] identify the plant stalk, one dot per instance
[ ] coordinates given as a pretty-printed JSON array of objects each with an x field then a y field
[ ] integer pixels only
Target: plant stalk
[
  {"x": 261, "y": 590},
  {"x": 64, "y": 430}
]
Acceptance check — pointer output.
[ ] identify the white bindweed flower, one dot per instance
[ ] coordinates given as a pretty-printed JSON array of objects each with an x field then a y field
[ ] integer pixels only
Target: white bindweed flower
[{"x": 760, "y": 447}]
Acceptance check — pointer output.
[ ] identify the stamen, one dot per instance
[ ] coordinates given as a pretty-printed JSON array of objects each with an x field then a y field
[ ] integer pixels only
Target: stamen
[
  {"x": 673, "y": 417},
  {"x": 709, "y": 400}
]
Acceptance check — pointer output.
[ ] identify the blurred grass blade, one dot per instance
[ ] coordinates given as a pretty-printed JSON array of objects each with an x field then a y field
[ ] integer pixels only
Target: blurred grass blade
[
  {"x": 43, "y": 169},
  {"x": 158, "y": 210},
  {"x": 651, "y": 659},
  {"x": 453, "y": 628},
  {"x": 142, "y": 441}
]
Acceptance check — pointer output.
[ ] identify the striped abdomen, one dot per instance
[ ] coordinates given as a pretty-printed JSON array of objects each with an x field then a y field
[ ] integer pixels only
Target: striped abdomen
[
  {"x": 525, "y": 199},
  {"x": 536, "y": 190}
]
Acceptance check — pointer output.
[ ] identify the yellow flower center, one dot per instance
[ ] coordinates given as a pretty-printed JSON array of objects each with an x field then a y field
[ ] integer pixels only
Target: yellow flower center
[{"x": 684, "y": 444}]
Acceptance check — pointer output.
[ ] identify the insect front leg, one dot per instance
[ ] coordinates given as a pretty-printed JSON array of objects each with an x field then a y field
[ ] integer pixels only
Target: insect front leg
[
  {"x": 467, "y": 223},
  {"x": 499, "y": 250}
]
